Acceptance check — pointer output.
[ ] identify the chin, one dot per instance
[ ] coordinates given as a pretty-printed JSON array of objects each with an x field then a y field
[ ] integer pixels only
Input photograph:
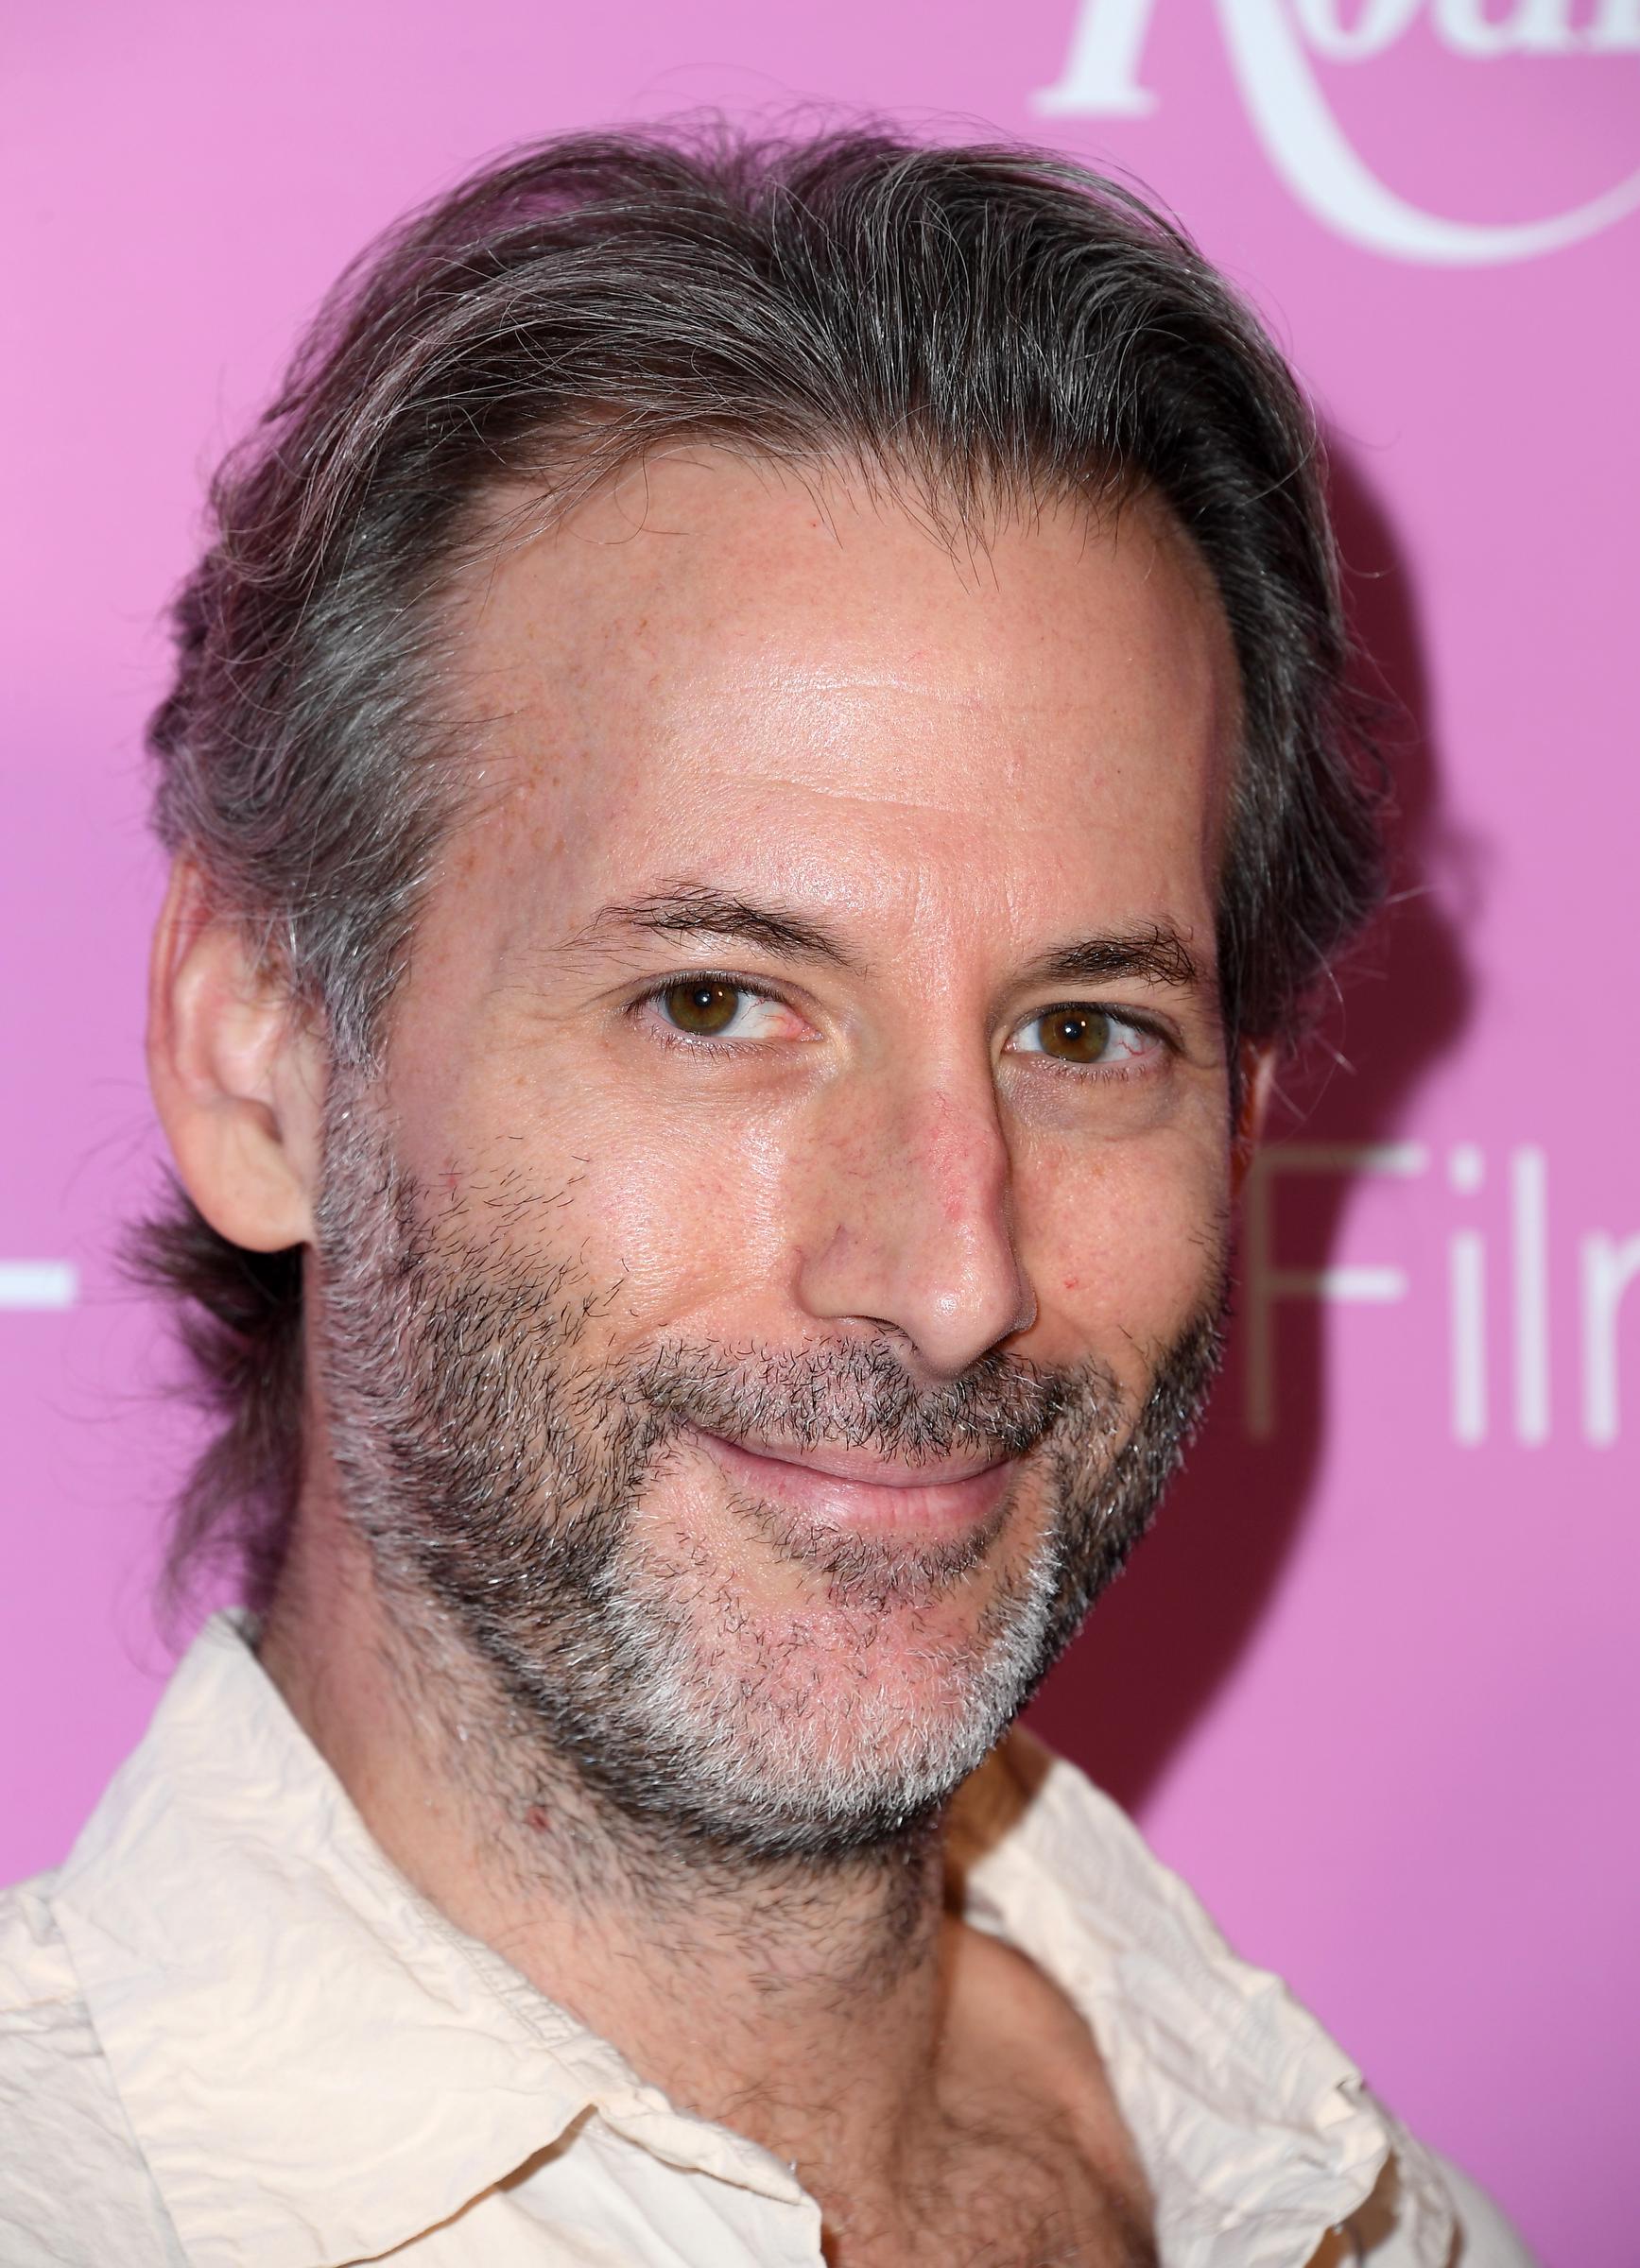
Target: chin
[{"x": 825, "y": 1726}]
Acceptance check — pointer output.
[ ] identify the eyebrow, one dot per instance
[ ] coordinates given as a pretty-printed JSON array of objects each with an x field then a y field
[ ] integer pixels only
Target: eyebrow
[
  {"x": 1155, "y": 953},
  {"x": 695, "y": 911}
]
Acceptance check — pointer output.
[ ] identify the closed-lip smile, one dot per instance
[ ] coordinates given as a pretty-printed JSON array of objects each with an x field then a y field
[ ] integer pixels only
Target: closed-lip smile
[{"x": 843, "y": 1486}]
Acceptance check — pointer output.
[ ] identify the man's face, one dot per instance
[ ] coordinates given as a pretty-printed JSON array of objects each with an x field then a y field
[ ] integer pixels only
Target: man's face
[{"x": 800, "y": 1163}]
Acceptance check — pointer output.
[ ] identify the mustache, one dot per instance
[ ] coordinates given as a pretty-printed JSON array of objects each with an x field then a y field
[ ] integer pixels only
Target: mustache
[{"x": 862, "y": 1394}]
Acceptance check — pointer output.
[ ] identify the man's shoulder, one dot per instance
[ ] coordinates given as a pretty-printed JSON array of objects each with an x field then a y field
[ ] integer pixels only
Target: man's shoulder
[{"x": 73, "y": 2190}]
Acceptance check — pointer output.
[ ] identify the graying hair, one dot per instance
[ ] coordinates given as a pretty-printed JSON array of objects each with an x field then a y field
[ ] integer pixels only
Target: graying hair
[{"x": 986, "y": 325}]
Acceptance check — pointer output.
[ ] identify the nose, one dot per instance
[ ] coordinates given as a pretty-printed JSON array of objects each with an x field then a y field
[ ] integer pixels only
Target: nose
[{"x": 915, "y": 1231}]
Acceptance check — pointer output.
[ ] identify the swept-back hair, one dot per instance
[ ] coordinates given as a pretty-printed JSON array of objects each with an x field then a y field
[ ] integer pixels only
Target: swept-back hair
[{"x": 980, "y": 328}]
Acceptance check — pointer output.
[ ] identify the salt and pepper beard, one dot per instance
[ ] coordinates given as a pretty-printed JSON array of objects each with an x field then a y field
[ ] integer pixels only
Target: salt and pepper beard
[{"x": 498, "y": 1474}]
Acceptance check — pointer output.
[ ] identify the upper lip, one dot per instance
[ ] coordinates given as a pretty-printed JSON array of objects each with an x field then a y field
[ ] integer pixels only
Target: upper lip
[{"x": 865, "y": 1464}]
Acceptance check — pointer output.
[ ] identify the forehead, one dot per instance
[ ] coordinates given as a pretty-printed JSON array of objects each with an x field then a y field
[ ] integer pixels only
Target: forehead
[{"x": 717, "y": 663}]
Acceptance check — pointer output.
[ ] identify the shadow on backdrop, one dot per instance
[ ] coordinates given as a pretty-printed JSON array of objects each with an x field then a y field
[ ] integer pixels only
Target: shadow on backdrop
[{"x": 1161, "y": 1642}]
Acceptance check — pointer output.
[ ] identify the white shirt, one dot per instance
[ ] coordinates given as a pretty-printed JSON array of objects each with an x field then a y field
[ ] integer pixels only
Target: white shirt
[{"x": 232, "y": 2035}]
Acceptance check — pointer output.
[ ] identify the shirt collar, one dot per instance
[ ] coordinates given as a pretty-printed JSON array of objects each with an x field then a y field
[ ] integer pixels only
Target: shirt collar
[
  {"x": 318, "y": 2065},
  {"x": 1257, "y": 2133}
]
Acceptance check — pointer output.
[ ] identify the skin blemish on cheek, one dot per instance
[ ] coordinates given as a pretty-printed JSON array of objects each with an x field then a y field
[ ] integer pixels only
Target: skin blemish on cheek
[
  {"x": 1073, "y": 1283},
  {"x": 535, "y": 1818}
]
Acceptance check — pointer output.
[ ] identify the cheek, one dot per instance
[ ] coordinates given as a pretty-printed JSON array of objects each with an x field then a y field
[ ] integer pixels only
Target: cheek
[
  {"x": 681, "y": 1221},
  {"x": 677, "y": 1220},
  {"x": 1123, "y": 1246},
  {"x": 666, "y": 1205}
]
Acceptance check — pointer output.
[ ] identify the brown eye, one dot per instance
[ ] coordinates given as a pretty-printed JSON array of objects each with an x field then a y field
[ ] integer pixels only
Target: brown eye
[
  {"x": 701, "y": 1006},
  {"x": 1074, "y": 1035}
]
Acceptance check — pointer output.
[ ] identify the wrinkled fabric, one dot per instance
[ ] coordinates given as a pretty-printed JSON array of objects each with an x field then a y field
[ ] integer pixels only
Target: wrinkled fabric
[{"x": 232, "y": 2035}]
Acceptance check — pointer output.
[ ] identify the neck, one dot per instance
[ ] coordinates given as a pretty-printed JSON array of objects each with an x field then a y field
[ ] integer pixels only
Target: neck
[{"x": 718, "y": 1975}]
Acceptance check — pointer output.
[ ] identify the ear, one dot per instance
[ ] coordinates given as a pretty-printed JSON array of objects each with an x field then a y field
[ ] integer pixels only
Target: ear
[
  {"x": 236, "y": 1073},
  {"x": 1257, "y": 1084}
]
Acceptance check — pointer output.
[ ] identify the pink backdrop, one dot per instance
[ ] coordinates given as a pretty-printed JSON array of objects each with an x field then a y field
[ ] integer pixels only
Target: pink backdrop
[{"x": 1372, "y": 1687}]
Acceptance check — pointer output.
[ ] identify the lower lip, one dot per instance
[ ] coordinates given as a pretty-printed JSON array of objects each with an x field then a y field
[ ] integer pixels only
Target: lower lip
[{"x": 928, "y": 1508}]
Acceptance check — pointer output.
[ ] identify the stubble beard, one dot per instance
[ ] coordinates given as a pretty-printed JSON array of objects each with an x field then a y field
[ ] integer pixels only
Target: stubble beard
[{"x": 500, "y": 1474}]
